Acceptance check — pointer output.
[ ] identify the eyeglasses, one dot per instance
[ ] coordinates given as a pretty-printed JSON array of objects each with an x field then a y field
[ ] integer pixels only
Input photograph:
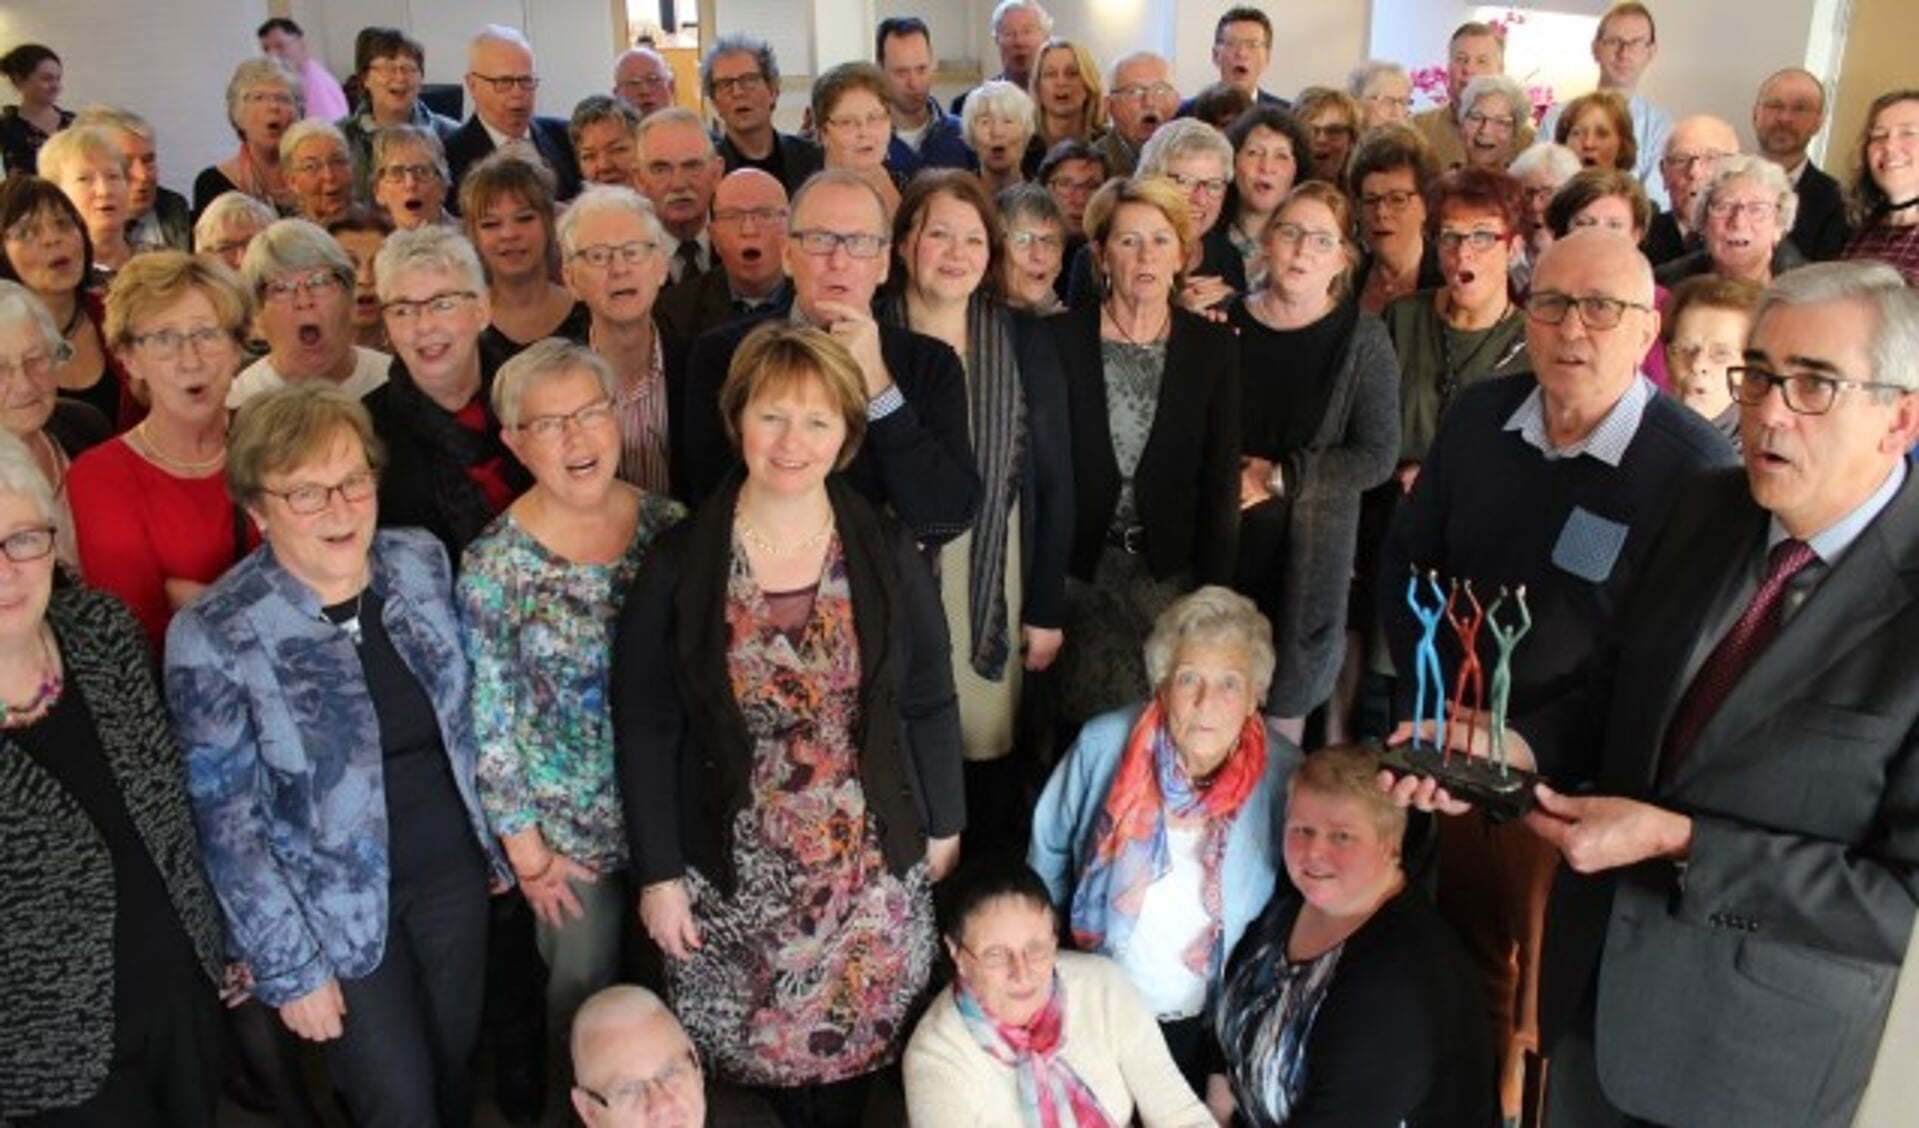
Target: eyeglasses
[
  {"x": 552, "y": 428},
  {"x": 744, "y": 84},
  {"x": 1242, "y": 43},
  {"x": 1321, "y": 241},
  {"x": 630, "y": 1097},
  {"x": 400, "y": 174},
  {"x": 769, "y": 215},
  {"x": 1595, "y": 312},
  {"x": 321, "y": 164},
  {"x": 34, "y": 366},
  {"x": 1478, "y": 240},
  {"x": 1037, "y": 955},
  {"x": 403, "y": 312},
  {"x": 394, "y": 68},
  {"x": 1797, "y": 109},
  {"x": 1334, "y": 132},
  {"x": 1068, "y": 184},
  {"x": 1045, "y": 240},
  {"x": 309, "y": 498},
  {"x": 1686, "y": 351},
  {"x": 28, "y": 545},
  {"x": 875, "y": 120},
  {"x": 1206, "y": 185},
  {"x": 1157, "y": 91},
  {"x": 504, "y": 83},
  {"x": 1621, "y": 43},
  {"x": 858, "y": 244},
  {"x": 1752, "y": 209},
  {"x": 267, "y": 98},
  {"x": 1497, "y": 123},
  {"x": 599, "y": 256},
  {"x": 1393, "y": 101},
  {"x": 1387, "y": 201},
  {"x": 1683, "y": 162},
  {"x": 647, "y": 82},
  {"x": 1806, "y": 393},
  {"x": 165, "y": 344},
  {"x": 313, "y": 285}
]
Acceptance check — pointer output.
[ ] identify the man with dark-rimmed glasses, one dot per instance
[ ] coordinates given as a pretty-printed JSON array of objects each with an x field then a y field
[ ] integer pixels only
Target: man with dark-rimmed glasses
[{"x": 503, "y": 85}]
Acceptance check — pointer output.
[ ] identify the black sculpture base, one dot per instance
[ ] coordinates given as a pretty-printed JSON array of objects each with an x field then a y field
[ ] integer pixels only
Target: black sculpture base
[{"x": 1504, "y": 793}]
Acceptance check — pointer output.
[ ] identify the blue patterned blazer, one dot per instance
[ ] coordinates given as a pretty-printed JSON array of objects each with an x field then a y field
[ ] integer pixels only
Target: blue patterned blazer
[{"x": 284, "y": 765}]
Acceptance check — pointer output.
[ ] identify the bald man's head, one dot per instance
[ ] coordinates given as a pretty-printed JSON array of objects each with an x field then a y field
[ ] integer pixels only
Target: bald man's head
[
  {"x": 1693, "y": 152},
  {"x": 631, "y": 1055},
  {"x": 1599, "y": 290},
  {"x": 749, "y": 224}
]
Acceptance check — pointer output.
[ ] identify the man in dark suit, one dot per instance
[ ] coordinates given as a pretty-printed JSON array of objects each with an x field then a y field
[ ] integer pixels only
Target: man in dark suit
[
  {"x": 1736, "y": 791},
  {"x": 1786, "y": 116},
  {"x": 742, "y": 79},
  {"x": 1693, "y": 151},
  {"x": 1242, "y": 46},
  {"x": 749, "y": 227},
  {"x": 917, "y": 458},
  {"x": 501, "y": 83}
]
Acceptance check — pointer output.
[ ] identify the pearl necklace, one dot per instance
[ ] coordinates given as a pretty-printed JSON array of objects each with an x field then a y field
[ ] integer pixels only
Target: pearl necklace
[
  {"x": 757, "y": 539},
  {"x": 153, "y": 453}
]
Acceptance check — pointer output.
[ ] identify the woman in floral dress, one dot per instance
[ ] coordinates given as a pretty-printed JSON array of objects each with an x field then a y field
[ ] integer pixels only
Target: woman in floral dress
[{"x": 788, "y": 747}]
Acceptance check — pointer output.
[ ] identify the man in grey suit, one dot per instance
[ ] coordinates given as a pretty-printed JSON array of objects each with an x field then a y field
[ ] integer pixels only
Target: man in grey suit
[{"x": 1736, "y": 793}]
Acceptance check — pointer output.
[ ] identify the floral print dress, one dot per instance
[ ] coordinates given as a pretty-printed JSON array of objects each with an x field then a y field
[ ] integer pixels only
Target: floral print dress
[{"x": 809, "y": 971}]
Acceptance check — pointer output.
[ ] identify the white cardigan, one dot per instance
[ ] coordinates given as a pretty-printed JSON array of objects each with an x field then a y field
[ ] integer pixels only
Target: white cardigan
[{"x": 1111, "y": 1042}]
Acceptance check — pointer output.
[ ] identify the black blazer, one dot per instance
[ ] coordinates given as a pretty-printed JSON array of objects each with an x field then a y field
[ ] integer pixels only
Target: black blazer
[
  {"x": 799, "y": 158},
  {"x": 918, "y": 460},
  {"x": 1187, "y": 484},
  {"x": 1663, "y": 241},
  {"x": 1820, "y": 230},
  {"x": 471, "y": 144},
  {"x": 1217, "y": 256},
  {"x": 689, "y": 308},
  {"x": 681, "y": 746}
]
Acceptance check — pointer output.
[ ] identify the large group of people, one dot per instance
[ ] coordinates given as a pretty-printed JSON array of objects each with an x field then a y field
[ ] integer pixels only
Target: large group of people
[{"x": 904, "y": 612}]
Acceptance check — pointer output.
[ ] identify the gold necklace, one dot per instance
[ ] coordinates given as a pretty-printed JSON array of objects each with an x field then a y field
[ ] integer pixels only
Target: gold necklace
[
  {"x": 759, "y": 540},
  {"x": 153, "y": 453}
]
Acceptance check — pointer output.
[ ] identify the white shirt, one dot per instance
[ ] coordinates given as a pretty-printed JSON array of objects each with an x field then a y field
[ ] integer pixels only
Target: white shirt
[
  {"x": 1171, "y": 917},
  {"x": 369, "y": 372}
]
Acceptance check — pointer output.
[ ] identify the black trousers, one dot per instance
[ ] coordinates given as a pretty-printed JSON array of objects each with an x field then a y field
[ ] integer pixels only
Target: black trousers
[{"x": 841, "y": 1104}]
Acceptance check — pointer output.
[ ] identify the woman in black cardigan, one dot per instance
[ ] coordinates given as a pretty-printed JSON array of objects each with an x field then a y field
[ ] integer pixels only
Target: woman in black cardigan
[
  {"x": 110, "y": 946},
  {"x": 1152, "y": 400},
  {"x": 787, "y": 741}
]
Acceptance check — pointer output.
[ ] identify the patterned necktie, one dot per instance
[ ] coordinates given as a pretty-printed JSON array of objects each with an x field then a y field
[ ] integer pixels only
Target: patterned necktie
[{"x": 1723, "y": 667}]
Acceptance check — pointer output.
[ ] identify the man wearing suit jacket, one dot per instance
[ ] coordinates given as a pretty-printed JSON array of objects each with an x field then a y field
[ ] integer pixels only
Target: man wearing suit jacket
[
  {"x": 1786, "y": 116},
  {"x": 749, "y": 227},
  {"x": 917, "y": 458},
  {"x": 501, "y": 82},
  {"x": 1736, "y": 792}
]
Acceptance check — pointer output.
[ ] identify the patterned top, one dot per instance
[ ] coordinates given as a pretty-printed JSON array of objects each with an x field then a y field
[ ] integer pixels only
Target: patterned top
[
  {"x": 808, "y": 973},
  {"x": 1897, "y": 247},
  {"x": 539, "y": 632},
  {"x": 1133, "y": 375},
  {"x": 1265, "y": 1023}
]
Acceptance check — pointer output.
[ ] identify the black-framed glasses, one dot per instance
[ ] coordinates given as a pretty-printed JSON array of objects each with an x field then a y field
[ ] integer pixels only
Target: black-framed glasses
[
  {"x": 1479, "y": 240},
  {"x": 743, "y": 83},
  {"x": 400, "y": 173},
  {"x": 1595, "y": 311},
  {"x": 1396, "y": 200},
  {"x": 858, "y": 244},
  {"x": 1806, "y": 393},
  {"x": 551, "y": 428},
  {"x": 1037, "y": 955},
  {"x": 438, "y": 305},
  {"x": 309, "y": 498},
  {"x": 502, "y": 83},
  {"x": 23, "y": 546},
  {"x": 313, "y": 284},
  {"x": 633, "y": 1096}
]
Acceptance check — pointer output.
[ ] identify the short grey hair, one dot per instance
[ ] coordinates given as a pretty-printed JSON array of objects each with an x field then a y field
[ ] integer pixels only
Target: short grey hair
[
  {"x": 741, "y": 43},
  {"x": 1131, "y": 57},
  {"x": 1371, "y": 71},
  {"x": 1520, "y": 106},
  {"x": 262, "y": 70},
  {"x": 300, "y": 132},
  {"x": 499, "y": 33},
  {"x": 429, "y": 247},
  {"x": 539, "y": 362},
  {"x": 603, "y": 198},
  {"x": 227, "y": 209},
  {"x": 1759, "y": 170},
  {"x": 1895, "y": 341},
  {"x": 396, "y": 137},
  {"x": 1007, "y": 7},
  {"x": 998, "y": 98},
  {"x": 1549, "y": 157},
  {"x": 286, "y": 246},
  {"x": 1212, "y": 615},
  {"x": 20, "y": 475},
  {"x": 671, "y": 115},
  {"x": 1183, "y": 137},
  {"x": 116, "y": 118},
  {"x": 17, "y": 304}
]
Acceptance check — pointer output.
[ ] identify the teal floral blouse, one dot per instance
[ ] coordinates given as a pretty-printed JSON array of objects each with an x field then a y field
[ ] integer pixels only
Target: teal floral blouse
[{"x": 539, "y": 634}]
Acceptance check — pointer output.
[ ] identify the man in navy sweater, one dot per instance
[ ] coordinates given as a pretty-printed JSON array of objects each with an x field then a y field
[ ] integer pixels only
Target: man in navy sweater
[{"x": 1558, "y": 481}]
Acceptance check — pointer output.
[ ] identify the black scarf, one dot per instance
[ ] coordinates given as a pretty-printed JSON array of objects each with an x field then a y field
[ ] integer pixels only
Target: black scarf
[{"x": 459, "y": 501}]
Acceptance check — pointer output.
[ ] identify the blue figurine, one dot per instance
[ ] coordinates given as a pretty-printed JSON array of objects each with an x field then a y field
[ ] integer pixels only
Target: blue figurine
[{"x": 1426, "y": 657}]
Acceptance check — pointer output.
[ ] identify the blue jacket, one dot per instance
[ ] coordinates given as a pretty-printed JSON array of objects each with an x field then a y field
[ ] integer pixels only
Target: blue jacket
[
  {"x": 943, "y": 146},
  {"x": 284, "y": 764},
  {"x": 1069, "y": 808}
]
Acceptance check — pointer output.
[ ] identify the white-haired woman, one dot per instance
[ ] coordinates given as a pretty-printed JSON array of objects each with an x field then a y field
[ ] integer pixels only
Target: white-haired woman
[
  {"x": 319, "y": 170},
  {"x": 302, "y": 283},
  {"x": 1541, "y": 170},
  {"x": 1384, "y": 92},
  {"x": 156, "y": 216},
  {"x": 409, "y": 175},
  {"x": 614, "y": 251},
  {"x": 1744, "y": 215},
  {"x": 1494, "y": 113},
  {"x": 449, "y": 472},
  {"x": 263, "y": 100},
  {"x": 90, "y": 169},
  {"x": 539, "y": 592},
  {"x": 228, "y": 226},
  {"x": 1155, "y": 834},
  {"x": 999, "y": 124},
  {"x": 54, "y": 429}
]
